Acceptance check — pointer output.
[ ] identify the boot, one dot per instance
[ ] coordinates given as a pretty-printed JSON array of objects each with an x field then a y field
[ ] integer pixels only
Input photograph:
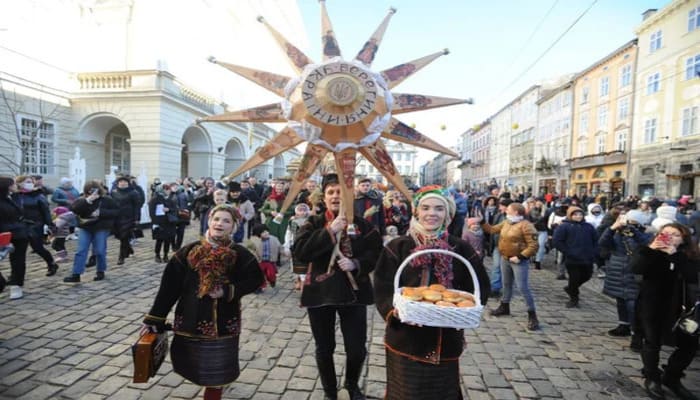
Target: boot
[
  {"x": 674, "y": 384},
  {"x": 654, "y": 389},
  {"x": 92, "y": 261},
  {"x": 329, "y": 380},
  {"x": 3, "y": 283},
  {"x": 99, "y": 276},
  {"x": 538, "y": 265},
  {"x": 120, "y": 261},
  {"x": 622, "y": 330},
  {"x": 355, "y": 393},
  {"x": 503, "y": 309},
  {"x": 73, "y": 278},
  {"x": 52, "y": 269},
  {"x": 158, "y": 260},
  {"x": 532, "y": 323},
  {"x": 572, "y": 303},
  {"x": 636, "y": 343}
]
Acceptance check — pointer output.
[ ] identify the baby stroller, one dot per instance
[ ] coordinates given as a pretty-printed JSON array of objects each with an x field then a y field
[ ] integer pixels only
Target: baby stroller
[{"x": 6, "y": 248}]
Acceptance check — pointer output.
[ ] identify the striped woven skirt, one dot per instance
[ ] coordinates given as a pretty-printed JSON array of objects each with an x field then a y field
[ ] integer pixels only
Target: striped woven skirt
[
  {"x": 206, "y": 362},
  {"x": 412, "y": 380}
]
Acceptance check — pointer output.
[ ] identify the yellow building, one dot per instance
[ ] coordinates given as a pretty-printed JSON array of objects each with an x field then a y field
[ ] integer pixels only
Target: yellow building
[
  {"x": 602, "y": 120},
  {"x": 666, "y": 144}
]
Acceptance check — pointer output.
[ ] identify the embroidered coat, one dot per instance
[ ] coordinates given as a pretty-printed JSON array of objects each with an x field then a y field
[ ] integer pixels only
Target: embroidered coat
[
  {"x": 204, "y": 317},
  {"x": 424, "y": 344},
  {"x": 314, "y": 244}
]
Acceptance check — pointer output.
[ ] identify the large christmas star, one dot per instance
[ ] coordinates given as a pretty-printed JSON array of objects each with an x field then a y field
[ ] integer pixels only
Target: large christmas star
[{"x": 337, "y": 106}]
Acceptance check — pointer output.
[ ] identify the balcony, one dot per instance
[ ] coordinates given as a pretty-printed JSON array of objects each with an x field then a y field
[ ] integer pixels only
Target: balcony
[{"x": 613, "y": 157}]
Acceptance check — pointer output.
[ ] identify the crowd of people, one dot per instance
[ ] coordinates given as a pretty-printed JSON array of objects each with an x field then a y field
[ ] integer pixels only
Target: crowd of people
[{"x": 645, "y": 250}]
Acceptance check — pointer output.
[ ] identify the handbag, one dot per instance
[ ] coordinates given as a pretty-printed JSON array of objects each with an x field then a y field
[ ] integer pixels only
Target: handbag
[
  {"x": 688, "y": 323},
  {"x": 148, "y": 354},
  {"x": 184, "y": 214}
]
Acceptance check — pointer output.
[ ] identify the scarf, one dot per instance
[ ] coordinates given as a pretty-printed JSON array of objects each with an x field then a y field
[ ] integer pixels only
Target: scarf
[
  {"x": 441, "y": 263},
  {"x": 210, "y": 259}
]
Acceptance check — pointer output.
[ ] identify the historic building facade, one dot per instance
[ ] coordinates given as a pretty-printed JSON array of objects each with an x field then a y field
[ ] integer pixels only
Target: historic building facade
[
  {"x": 138, "y": 116},
  {"x": 666, "y": 144},
  {"x": 522, "y": 139},
  {"x": 602, "y": 121},
  {"x": 552, "y": 140},
  {"x": 404, "y": 157}
]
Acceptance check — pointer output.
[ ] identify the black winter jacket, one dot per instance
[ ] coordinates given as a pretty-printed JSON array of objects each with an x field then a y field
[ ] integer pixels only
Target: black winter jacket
[{"x": 577, "y": 240}]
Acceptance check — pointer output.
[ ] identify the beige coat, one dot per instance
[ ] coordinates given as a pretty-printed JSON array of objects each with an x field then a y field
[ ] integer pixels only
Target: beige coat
[{"x": 516, "y": 240}]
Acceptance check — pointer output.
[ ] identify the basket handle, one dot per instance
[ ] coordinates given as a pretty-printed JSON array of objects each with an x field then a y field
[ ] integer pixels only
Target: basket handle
[{"x": 477, "y": 289}]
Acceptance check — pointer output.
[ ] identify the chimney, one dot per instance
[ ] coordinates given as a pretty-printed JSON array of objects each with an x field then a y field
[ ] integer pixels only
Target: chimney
[{"x": 648, "y": 13}]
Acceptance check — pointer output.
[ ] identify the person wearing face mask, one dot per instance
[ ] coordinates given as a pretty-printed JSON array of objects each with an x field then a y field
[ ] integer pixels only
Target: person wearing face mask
[
  {"x": 422, "y": 362},
  {"x": 669, "y": 266},
  {"x": 517, "y": 243},
  {"x": 337, "y": 283},
  {"x": 595, "y": 215},
  {"x": 555, "y": 219},
  {"x": 205, "y": 281},
  {"x": 96, "y": 213},
  {"x": 622, "y": 239},
  {"x": 578, "y": 241},
  {"x": 35, "y": 209},
  {"x": 129, "y": 214}
]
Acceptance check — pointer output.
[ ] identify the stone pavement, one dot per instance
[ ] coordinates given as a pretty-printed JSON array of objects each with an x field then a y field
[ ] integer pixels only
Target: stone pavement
[{"x": 73, "y": 342}]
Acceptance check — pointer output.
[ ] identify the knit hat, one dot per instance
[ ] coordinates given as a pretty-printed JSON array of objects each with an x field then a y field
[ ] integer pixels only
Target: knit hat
[
  {"x": 571, "y": 210},
  {"x": 664, "y": 216},
  {"x": 667, "y": 212},
  {"x": 636, "y": 216}
]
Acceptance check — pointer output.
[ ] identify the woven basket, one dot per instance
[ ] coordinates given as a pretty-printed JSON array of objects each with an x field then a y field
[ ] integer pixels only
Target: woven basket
[{"x": 427, "y": 314}]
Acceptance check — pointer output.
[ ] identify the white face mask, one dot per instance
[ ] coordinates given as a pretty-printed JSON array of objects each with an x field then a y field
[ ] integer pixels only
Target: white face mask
[
  {"x": 514, "y": 219},
  {"x": 28, "y": 186}
]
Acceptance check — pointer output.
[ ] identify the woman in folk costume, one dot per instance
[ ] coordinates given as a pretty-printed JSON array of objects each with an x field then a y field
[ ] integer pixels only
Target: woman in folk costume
[
  {"x": 276, "y": 222},
  {"x": 422, "y": 362},
  {"x": 207, "y": 280},
  {"x": 337, "y": 282}
]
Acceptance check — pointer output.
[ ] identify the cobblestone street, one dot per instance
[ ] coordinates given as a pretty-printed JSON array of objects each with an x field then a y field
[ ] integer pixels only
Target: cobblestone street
[{"x": 65, "y": 341}]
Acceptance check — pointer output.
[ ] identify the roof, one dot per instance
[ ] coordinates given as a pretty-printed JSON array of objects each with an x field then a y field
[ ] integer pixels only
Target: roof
[{"x": 605, "y": 59}]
